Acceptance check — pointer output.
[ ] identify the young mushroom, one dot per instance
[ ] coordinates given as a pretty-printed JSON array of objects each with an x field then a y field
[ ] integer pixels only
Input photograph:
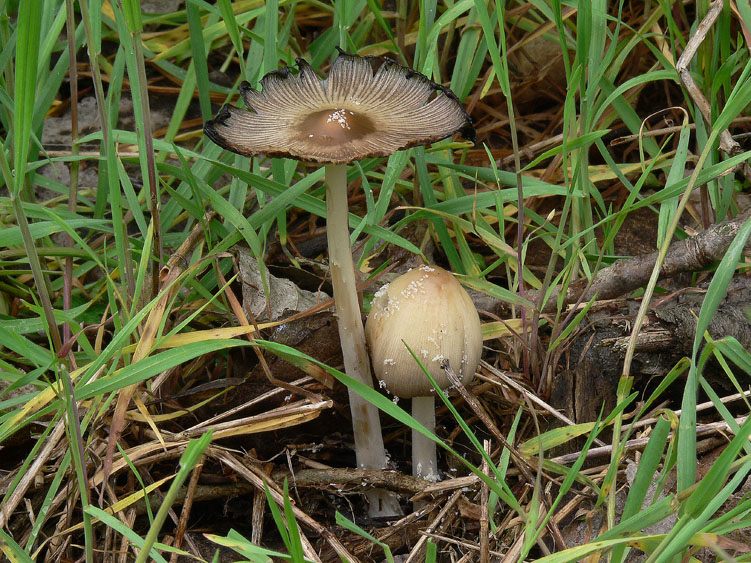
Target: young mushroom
[
  {"x": 366, "y": 107},
  {"x": 430, "y": 311}
]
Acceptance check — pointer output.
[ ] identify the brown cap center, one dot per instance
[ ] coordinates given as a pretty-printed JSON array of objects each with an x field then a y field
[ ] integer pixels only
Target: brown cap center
[{"x": 335, "y": 126}]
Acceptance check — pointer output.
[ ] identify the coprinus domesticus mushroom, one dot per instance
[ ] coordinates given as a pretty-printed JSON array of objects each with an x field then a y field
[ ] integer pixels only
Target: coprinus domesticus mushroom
[{"x": 366, "y": 107}]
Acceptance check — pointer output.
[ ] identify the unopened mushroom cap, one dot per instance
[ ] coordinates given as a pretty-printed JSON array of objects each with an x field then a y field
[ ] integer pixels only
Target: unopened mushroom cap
[
  {"x": 367, "y": 107},
  {"x": 430, "y": 311}
]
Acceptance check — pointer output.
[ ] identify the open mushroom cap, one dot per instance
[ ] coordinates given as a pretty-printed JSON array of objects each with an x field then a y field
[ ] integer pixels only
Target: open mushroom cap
[
  {"x": 366, "y": 107},
  {"x": 430, "y": 311}
]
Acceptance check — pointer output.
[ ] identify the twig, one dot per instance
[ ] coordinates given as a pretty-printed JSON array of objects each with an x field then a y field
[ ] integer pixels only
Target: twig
[
  {"x": 129, "y": 519},
  {"x": 259, "y": 510},
  {"x": 531, "y": 150},
  {"x": 254, "y": 401},
  {"x": 477, "y": 408},
  {"x": 727, "y": 143},
  {"x": 182, "y": 525},
  {"x": 399, "y": 527},
  {"x": 463, "y": 543},
  {"x": 700, "y": 407},
  {"x": 244, "y": 471},
  {"x": 639, "y": 443},
  {"x": 7, "y": 508},
  {"x": 179, "y": 259},
  {"x": 440, "y": 522},
  {"x": 356, "y": 478},
  {"x": 667, "y": 131},
  {"x": 484, "y": 514},
  {"x": 532, "y": 397},
  {"x": 624, "y": 276},
  {"x": 275, "y": 419}
]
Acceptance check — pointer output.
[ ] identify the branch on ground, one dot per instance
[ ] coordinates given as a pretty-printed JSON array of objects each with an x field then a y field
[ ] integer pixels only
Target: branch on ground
[{"x": 624, "y": 276}]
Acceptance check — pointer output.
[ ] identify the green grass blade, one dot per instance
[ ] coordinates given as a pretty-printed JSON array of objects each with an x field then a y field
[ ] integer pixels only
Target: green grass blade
[
  {"x": 78, "y": 449},
  {"x": 191, "y": 456},
  {"x": 225, "y": 8},
  {"x": 295, "y": 542},
  {"x": 648, "y": 465},
  {"x": 677, "y": 171},
  {"x": 132, "y": 13},
  {"x": 12, "y": 550},
  {"x": 153, "y": 365},
  {"x": 344, "y": 522},
  {"x": 278, "y": 518},
  {"x": 254, "y": 553},
  {"x": 198, "y": 46},
  {"x": 114, "y": 523},
  {"x": 27, "y": 54}
]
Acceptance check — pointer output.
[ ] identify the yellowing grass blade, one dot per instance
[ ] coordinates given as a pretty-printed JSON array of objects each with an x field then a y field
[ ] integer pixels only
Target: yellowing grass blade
[
  {"x": 501, "y": 329},
  {"x": 282, "y": 417}
]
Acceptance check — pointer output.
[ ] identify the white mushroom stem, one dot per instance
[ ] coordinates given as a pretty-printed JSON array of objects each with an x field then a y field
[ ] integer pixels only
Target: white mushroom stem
[
  {"x": 424, "y": 460},
  {"x": 369, "y": 449}
]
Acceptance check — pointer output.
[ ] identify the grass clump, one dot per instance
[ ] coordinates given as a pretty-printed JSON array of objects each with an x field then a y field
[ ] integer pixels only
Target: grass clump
[{"x": 142, "y": 405}]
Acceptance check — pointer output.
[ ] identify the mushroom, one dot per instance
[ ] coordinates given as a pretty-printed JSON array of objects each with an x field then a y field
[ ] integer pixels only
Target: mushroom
[
  {"x": 366, "y": 107},
  {"x": 430, "y": 311}
]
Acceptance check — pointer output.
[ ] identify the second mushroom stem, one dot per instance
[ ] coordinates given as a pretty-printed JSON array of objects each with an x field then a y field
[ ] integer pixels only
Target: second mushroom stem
[
  {"x": 369, "y": 448},
  {"x": 424, "y": 456}
]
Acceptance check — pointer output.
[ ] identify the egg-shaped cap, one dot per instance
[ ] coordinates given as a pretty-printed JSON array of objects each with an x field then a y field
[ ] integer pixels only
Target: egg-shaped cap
[
  {"x": 430, "y": 311},
  {"x": 366, "y": 107}
]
